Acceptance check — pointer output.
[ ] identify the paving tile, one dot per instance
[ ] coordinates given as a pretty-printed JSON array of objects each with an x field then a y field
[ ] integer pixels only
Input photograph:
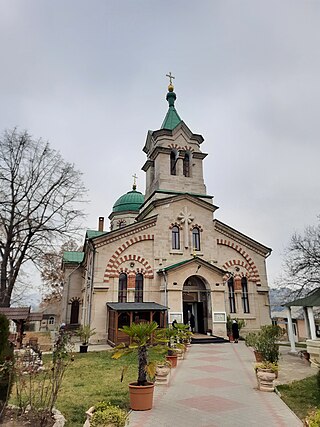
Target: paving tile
[
  {"x": 211, "y": 359},
  {"x": 210, "y": 403},
  {"x": 203, "y": 394},
  {"x": 211, "y": 368},
  {"x": 213, "y": 383}
]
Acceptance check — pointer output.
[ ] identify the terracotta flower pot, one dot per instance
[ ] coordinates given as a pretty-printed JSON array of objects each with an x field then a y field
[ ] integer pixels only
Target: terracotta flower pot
[
  {"x": 172, "y": 359},
  {"x": 258, "y": 356},
  {"x": 141, "y": 397}
]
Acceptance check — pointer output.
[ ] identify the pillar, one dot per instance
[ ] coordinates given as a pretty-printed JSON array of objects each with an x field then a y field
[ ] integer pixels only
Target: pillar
[
  {"x": 312, "y": 324},
  {"x": 290, "y": 332},
  {"x": 306, "y": 322}
]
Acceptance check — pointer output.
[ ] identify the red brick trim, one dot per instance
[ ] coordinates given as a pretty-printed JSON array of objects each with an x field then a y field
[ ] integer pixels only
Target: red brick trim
[
  {"x": 113, "y": 267},
  {"x": 175, "y": 224},
  {"x": 180, "y": 148},
  {"x": 196, "y": 226},
  {"x": 249, "y": 265}
]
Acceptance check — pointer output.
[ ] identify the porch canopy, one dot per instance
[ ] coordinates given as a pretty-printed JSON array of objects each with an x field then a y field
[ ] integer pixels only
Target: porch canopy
[
  {"x": 20, "y": 316},
  {"x": 311, "y": 300},
  {"x": 125, "y": 313}
]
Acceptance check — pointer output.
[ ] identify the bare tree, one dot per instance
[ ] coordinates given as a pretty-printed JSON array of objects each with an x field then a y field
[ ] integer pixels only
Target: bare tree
[
  {"x": 39, "y": 194},
  {"x": 302, "y": 261},
  {"x": 51, "y": 272}
]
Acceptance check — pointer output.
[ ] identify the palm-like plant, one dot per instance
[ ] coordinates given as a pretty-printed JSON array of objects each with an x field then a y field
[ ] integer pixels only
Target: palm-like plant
[{"x": 141, "y": 335}]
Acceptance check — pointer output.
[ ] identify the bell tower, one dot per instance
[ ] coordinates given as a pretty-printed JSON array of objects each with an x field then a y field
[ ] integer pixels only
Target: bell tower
[{"x": 174, "y": 160}]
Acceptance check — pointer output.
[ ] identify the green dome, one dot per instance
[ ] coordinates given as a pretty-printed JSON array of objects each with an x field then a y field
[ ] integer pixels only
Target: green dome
[{"x": 130, "y": 201}]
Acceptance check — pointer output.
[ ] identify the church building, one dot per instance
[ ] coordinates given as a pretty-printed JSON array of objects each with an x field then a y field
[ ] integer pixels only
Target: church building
[{"x": 166, "y": 256}]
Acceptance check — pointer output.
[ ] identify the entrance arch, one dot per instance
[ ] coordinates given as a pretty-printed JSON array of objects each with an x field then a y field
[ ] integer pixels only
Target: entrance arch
[{"x": 196, "y": 299}]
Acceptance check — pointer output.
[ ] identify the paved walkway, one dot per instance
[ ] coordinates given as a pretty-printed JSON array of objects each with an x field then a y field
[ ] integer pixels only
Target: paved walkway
[{"x": 215, "y": 386}]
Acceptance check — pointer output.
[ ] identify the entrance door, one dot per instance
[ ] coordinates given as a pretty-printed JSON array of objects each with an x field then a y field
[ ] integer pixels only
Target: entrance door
[
  {"x": 200, "y": 318},
  {"x": 196, "y": 300}
]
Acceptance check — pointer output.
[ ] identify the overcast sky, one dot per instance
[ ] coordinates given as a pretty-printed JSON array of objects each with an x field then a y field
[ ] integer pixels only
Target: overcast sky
[{"x": 89, "y": 77}]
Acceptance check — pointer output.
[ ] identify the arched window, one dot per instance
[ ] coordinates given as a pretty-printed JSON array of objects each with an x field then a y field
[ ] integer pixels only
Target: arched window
[
  {"x": 175, "y": 237},
  {"x": 74, "y": 316},
  {"x": 173, "y": 163},
  {"x": 245, "y": 296},
  {"x": 196, "y": 239},
  {"x": 138, "y": 295},
  {"x": 122, "y": 291},
  {"x": 186, "y": 165},
  {"x": 121, "y": 223},
  {"x": 232, "y": 300},
  {"x": 51, "y": 320}
]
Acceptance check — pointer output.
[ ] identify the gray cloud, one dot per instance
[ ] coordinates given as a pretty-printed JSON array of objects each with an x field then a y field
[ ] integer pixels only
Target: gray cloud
[{"x": 90, "y": 78}]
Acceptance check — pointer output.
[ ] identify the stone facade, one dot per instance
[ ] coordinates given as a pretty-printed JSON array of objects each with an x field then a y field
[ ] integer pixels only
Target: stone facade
[{"x": 190, "y": 261}]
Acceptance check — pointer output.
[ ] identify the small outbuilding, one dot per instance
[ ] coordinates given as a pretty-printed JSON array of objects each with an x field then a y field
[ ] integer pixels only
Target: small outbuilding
[{"x": 125, "y": 313}]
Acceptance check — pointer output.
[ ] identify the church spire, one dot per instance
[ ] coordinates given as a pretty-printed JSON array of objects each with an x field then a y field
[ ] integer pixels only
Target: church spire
[{"x": 172, "y": 118}]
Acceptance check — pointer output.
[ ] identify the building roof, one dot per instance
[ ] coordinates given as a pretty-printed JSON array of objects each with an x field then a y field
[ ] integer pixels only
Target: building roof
[
  {"x": 94, "y": 233},
  {"x": 36, "y": 316},
  {"x": 311, "y": 300},
  {"x": 187, "y": 261},
  {"x": 136, "y": 306},
  {"x": 16, "y": 313},
  {"x": 130, "y": 201},
  {"x": 73, "y": 257},
  {"x": 172, "y": 118}
]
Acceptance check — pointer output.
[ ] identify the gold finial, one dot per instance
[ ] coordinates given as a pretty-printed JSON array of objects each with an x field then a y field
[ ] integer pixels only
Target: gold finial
[
  {"x": 170, "y": 87},
  {"x": 134, "y": 187}
]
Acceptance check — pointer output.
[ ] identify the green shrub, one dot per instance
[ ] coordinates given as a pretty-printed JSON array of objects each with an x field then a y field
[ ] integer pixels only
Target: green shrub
[
  {"x": 313, "y": 420},
  {"x": 265, "y": 341},
  {"x": 6, "y": 362},
  {"x": 106, "y": 415}
]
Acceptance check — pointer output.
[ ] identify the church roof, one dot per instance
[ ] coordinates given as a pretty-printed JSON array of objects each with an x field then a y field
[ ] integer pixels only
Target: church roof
[
  {"x": 190, "y": 260},
  {"x": 172, "y": 118},
  {"x": 130, "y": 201},
  {"x": 94, "y": 233},
  {"x": 73, "y": 257}
]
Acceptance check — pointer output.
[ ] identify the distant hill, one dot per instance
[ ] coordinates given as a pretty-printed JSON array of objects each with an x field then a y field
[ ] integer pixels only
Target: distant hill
[{"x": 279, "y": 296}]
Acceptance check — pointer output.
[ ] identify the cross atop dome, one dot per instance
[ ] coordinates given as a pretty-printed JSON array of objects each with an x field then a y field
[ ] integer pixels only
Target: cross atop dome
[
  {"x": 170, "y": 87},
  {"x": 172, "y": 118}
]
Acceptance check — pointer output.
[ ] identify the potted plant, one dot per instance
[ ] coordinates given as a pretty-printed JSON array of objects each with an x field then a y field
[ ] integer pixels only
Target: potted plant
[
  {"x": 264, "y": 343},
  {"x": 266, "y": 373},
  {"x": 85, "y": 333},
  {"x": 253, "y": 340},
  {"x": 169, "y": 335},
  {"x": 142, "y": 336},
  {"x": 162, "y": 374}
]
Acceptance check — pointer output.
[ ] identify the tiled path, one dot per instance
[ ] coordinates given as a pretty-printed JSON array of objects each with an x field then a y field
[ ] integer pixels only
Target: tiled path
[{"x": 215, "y": 386}]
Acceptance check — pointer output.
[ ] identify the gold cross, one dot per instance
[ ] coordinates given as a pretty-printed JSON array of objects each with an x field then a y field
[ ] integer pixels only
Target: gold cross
[
  {"x": 170, "y": 77},
  {"x": 134, "y": 179}
]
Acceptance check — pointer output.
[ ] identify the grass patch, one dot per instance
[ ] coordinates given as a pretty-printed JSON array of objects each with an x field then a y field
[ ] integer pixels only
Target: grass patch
[
  {"x": 301, "y": 396},
  {"x": 91, "y": 378}
]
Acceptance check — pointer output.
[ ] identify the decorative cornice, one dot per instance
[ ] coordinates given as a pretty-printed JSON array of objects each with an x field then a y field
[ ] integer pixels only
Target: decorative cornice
[
  {"x": 127, "y": 231},
  {"x": 241, "y": 238}
]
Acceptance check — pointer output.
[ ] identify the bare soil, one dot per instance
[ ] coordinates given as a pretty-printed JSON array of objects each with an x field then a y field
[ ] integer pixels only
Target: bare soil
[{"x": 12, "y": 418}]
